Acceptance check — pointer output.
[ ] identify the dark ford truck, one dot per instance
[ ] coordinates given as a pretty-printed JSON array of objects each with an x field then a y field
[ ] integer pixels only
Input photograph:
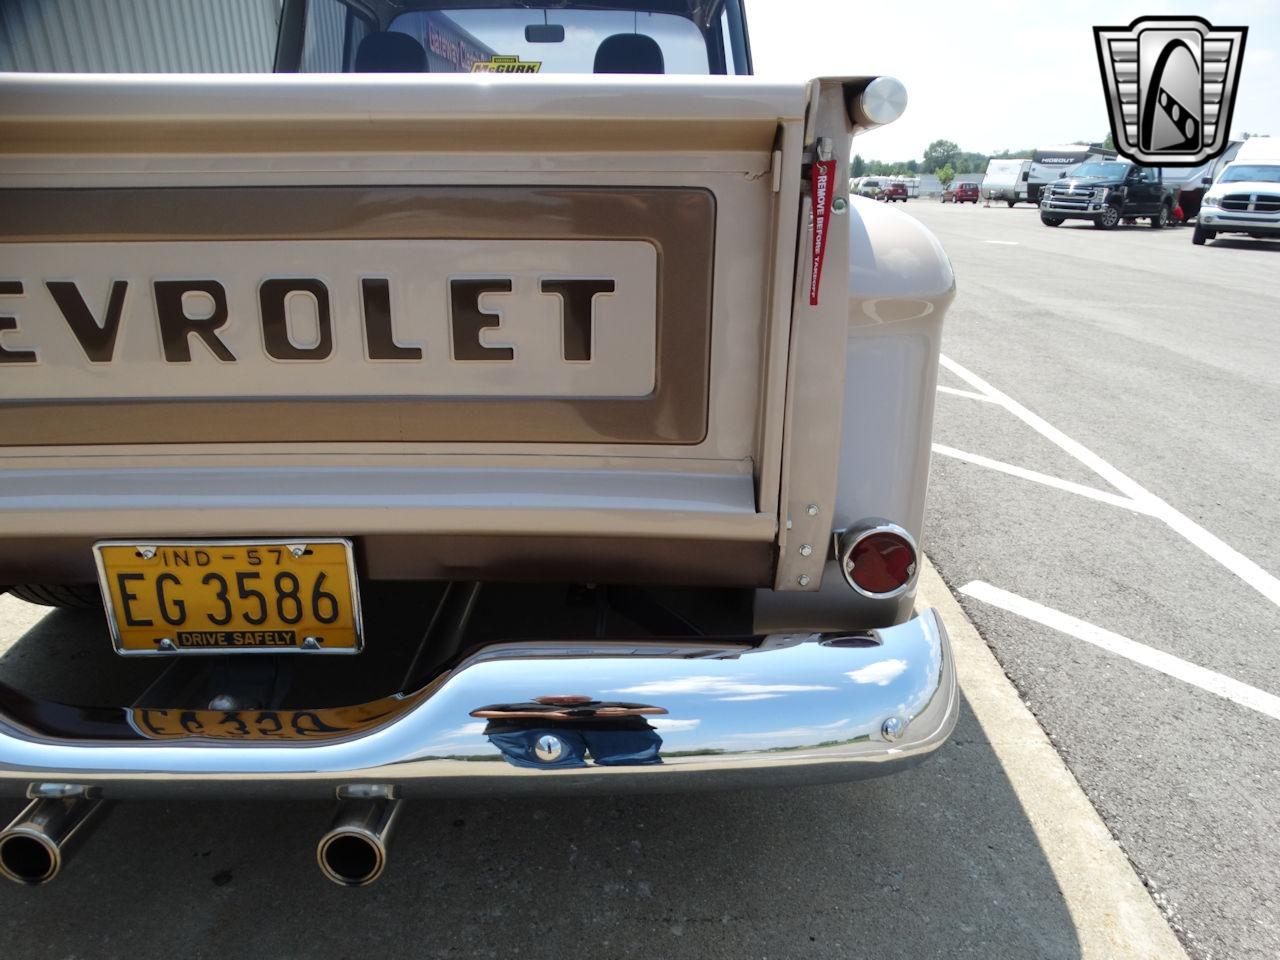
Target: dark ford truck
[{"x": 1107, "y": 193}]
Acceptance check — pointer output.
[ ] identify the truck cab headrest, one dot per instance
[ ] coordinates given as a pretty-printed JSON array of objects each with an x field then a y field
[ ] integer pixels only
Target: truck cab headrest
[
  {"x": 629, "y": 53},
  {"x": 390, "y": 52}
]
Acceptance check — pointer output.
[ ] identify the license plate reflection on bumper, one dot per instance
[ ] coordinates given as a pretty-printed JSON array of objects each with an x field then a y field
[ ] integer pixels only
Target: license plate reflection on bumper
[{"x": 244, "y": 596}]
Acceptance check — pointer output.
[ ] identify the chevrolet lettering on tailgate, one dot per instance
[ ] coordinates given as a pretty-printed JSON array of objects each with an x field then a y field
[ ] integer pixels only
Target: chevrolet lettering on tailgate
[{"x": 408, "y": 318}]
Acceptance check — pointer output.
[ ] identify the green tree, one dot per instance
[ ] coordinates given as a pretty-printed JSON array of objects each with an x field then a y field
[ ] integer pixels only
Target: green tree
[
  {"x": 937, "y": 154},
  {"x": 946, "y": 175},
  {"x": 858, "y": 167},
  {"x": 1012, "y": 154},
  {"x": 1109, "y": 143}
]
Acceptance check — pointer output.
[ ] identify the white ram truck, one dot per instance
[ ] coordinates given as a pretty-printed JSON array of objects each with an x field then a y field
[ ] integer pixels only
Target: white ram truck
[
  {"x": 1246, "y": 197},
  {"x": 520, "y": 405}
]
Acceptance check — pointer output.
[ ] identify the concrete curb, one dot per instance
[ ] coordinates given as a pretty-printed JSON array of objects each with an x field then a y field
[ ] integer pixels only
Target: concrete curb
[{"x": 1114, "y": 916}]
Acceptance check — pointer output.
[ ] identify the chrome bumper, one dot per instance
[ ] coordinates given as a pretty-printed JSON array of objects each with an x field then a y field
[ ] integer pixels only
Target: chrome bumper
[
  {"x": 1073, "y": 210},
  {"x": 1233, "y": 221},
  {"x": 653, "y": 716}
]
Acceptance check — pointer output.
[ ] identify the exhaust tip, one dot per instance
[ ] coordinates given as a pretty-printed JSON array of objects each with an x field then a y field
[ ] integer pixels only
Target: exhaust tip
[
  {"x": 351, "y": 859},
  {"x": 29, "y": 859},
  {"x": 354, "y": 851},
  {"x": 35, "y": 845}
]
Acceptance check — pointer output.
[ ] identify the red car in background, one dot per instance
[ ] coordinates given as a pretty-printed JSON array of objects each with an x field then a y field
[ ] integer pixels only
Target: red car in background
[
  {"x": 894, "y": 192},
  {"x": 961, "y": 193}
]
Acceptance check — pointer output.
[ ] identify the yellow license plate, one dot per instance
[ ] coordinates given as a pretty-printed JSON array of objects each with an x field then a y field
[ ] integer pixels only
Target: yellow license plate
[{"x": 244, "y": 596}]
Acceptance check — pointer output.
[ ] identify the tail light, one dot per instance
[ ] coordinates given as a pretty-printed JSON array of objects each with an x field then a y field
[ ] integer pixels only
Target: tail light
[{"x": 878, "y": 559}]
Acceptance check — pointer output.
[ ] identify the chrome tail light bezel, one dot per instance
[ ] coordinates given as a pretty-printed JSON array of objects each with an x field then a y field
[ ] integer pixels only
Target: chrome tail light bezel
[{"x": 846, "y": 541}]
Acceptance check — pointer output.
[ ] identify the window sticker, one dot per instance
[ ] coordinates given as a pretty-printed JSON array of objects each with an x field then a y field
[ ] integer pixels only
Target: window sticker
[{"x": 506, "y": 65}]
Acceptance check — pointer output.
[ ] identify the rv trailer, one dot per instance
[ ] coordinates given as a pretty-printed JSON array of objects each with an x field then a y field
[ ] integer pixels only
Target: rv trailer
[{"x": 1006, "y": 180}]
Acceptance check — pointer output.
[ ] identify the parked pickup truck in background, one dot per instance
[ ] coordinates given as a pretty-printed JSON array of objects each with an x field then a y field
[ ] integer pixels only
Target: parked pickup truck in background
[
  {"x": 1106, "y": 192},
  {"x": 1246, "y": 197},
  {"x": 586, "y": 370}
]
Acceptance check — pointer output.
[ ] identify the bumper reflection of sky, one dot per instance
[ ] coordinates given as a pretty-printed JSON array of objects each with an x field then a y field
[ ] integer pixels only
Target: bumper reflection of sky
[{"x": 800, "y": 696}]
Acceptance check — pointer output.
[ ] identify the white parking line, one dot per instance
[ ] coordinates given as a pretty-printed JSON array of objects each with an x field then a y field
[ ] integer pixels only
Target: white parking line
[
  {"x": 964, "y": 393},
  {"x": 1105, "y": 496},
  {"x": 1005, "y": 243},
  {"x": 1114, "y": 916},
  {"x": 1228, "y": 556},
  {"x": 1166, "y": 663}
]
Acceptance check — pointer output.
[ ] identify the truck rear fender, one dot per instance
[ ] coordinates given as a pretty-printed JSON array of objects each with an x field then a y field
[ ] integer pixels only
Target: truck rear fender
[{"x": 900, "y": 285}]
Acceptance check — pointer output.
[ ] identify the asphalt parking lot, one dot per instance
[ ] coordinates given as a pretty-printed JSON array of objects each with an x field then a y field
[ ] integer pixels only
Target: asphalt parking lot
[
  {"x": 1069, "y": 351},
  {"x": 988, "y": 851},
  {"x": 1107, "y": 472}
]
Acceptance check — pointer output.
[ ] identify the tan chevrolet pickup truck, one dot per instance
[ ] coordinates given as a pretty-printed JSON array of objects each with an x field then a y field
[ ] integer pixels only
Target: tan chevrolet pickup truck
[{"x": 498, "y": 397}]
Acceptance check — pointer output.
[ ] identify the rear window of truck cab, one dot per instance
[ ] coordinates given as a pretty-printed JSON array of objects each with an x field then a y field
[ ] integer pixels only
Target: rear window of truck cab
[
  {"x": 377, "y": 36},
  {"x": 636, "y": 37}
]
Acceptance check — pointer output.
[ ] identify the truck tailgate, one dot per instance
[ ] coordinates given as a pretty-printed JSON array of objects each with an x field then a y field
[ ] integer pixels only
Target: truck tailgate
[{"x": 213, "y": 279}]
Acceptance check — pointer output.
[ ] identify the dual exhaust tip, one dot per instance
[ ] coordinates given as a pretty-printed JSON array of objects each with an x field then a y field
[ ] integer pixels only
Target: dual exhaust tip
[
  {"x": 354, "y": 851},
  {"x": 39, "y": 841}
]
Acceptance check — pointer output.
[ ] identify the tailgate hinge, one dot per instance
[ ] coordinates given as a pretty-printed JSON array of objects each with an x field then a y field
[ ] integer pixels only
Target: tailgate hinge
[{"x": 823, "y": 150}]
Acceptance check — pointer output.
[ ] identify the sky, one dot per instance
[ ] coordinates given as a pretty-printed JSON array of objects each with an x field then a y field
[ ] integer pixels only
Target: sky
[{"x": 992, "y": 75}]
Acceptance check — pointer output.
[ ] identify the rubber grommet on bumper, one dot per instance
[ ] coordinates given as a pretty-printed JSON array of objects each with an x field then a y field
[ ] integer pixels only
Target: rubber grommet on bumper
[{"x": 597, "y": 716}]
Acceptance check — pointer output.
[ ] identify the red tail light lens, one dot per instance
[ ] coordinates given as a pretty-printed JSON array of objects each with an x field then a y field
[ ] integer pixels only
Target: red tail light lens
[{"x": 878, "y": 561}]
